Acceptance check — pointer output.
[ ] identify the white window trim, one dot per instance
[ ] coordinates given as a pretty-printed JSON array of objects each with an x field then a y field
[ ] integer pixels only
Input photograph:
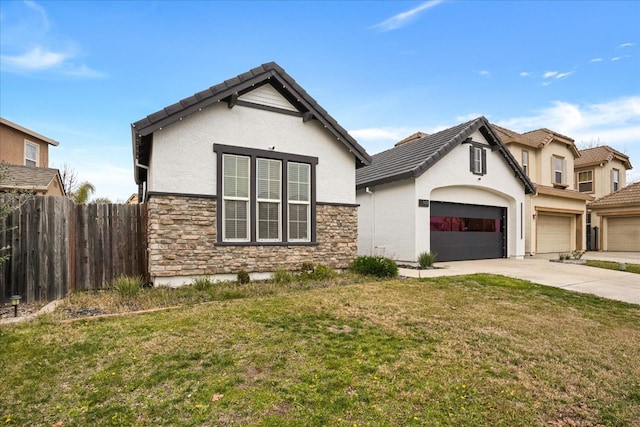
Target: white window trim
[
  {"x": 276, "y": 201},
  {"x": 247, "y": 200},
  {"x": 300, "y": 202},
  {"x": 525, "y": 162},
  {"x": 556, "y": 170},
  {"x": 37, "y": 147},
  {"x": 615, "y": 180},
  {"x": 477, "y": 160}
]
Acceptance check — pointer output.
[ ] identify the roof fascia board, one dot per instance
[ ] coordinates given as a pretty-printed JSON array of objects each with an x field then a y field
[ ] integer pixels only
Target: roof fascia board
[{"x": 29, "y": 132}]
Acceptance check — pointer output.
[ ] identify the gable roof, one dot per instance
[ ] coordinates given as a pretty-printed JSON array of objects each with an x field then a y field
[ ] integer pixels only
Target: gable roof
[
  {"x": 412, "y": 159},
  {"x": 626, "y": 196},
  {"x": 30, "y": 178},
  {"x": 601, "y": 154},
  {"x": 508, "y": 136},
  {"x": 544, "y": 137},
  {"x": 229, "y": 90},
  {"x": 29, "y": 132}
]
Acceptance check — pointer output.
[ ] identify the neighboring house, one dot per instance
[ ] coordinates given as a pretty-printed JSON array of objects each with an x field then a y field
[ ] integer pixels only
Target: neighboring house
[
  {"x": 458, "y": 193},
  {"x": 618, "y": 216},
  {"x": 555, "y": 215},
  {"x": 26, "y": 154},
  {"x": 40, "y": 181},
  {"x": 599, "y": 171},
  {"x": 23, "y": 147},
  {"x": 251, "y": 174}
]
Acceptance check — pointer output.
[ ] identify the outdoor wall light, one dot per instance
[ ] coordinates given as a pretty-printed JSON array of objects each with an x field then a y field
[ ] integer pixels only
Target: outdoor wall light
[{"x": 15, "y": 300}]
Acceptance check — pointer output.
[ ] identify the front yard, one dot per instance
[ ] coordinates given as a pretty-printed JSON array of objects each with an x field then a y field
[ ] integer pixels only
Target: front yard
[{"x": 472, "y": 350}]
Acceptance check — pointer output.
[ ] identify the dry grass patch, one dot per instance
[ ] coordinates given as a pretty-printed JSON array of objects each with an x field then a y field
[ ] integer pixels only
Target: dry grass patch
[{"x": 474, "y": 350}]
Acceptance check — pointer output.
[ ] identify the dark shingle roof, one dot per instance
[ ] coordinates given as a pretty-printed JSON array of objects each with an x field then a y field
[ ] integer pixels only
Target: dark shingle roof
[
  {"x": 28, "y": 178},
  {"x": 271, "y": 72},
  {"x": 626, "y": 196},
  {"x": 412, "y": 159}
]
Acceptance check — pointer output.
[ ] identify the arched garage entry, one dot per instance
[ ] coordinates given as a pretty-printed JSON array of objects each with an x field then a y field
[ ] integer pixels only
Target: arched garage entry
[{"x": 461, "y": 231}]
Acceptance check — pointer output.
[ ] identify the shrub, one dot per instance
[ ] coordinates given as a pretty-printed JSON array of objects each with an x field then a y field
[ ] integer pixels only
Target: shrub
[
  {"x": 564, "y": 256},
  {"x": 322, "y": 272},
  {"x": 374, "y": 266},
  {"x": 127, "y": 287},
  {"x": 202, "y": 283},
  {"x": 307, "y": 267},
  {"x": 243, "y": 277},
  {"x": 426, "y": 259},
  {"x": 282, "y": 276}
]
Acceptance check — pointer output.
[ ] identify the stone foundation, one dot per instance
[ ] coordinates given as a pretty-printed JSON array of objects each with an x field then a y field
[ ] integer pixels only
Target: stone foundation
[{"x": 182, "y": 241}]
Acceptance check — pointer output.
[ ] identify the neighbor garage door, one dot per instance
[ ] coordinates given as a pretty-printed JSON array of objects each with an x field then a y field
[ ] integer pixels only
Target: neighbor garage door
[
  {"x": 460, "y": 231},
  {"x": 623, "y": 234},
  {"x": 554, "y": 233}
]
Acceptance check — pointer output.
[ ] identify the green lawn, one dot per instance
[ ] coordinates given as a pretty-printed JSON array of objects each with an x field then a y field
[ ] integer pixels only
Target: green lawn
[
  {"x": 473, "y": 350},
  {"x": 631, "y": 268}
]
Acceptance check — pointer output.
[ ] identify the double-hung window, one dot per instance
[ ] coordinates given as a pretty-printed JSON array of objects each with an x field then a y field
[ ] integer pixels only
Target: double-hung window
[
  {"x": 525, "y": 162},
  {"x": 30, "y": 154},
  {"x": 235, "y": 219},
  {"x": 269, "y": 176},
  {"x": 585, "y": 181},
  {"x": 267, "y": 197},
  {"x": 615, "y": 179},
  {"x": 557, "y": 166},
  {"x": 299, "y": 201}
]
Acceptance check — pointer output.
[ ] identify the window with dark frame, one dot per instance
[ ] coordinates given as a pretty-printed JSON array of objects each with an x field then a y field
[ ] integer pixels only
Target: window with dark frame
[
  {"x": 267, "y": 197},
  {"x": 585, "y": 181},
  {"x": 477, "y": 159}
]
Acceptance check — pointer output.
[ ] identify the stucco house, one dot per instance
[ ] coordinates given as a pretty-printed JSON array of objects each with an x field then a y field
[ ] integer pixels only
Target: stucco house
[
  {"x": 555, "y": 215},
  {"x": 250, "y": 174},
  {"x": 618, "y": 216},
  {"x": 459, "y": 193},
  {"x": 599, "y": 171},
  {"x": 27, "y": 155}
]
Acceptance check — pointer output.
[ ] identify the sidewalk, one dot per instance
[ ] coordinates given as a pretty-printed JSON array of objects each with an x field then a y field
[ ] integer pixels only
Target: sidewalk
[{"x": 617, "y": 285}]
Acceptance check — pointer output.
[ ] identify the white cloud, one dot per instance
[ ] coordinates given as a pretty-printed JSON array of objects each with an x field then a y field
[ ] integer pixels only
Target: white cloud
[
  {"x": 615, "y": 58},
  {"x": 35, "y": 59},
  {"x": 596, "y": 60},
  {"x": 524, "y": 74},
  {"x": 563, "y": 75},
  {"x": 549, "y": 74},
  {"x": 484, "y": 73},
  {"x": 623, "y": 45},
  {"x": 405, "y": 18},
  {"x": 30, "y": 48},
  {"x": 615, "y": 123}
]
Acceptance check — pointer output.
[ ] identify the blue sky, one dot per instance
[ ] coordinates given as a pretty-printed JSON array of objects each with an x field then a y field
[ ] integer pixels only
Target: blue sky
[{"x": 81, "y": 72}]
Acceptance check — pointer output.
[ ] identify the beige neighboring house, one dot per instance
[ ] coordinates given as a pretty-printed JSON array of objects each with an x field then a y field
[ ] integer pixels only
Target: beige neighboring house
[
  {"x": 618, "y": 216},
  {"x": 599, "y": 171},
  {"x": 555, "y": 215},
  {"x": 40, "y": 181},
  {"x": 27, "y": 154}
]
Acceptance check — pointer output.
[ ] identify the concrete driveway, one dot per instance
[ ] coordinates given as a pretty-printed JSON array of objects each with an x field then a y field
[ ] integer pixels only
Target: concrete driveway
[{"x": 616, "y": 285}]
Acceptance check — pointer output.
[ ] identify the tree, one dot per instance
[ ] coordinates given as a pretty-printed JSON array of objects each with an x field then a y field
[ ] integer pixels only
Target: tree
[
  {"x": 9, "y": 201},
  {"x": 99, "y": 200},
  {"x": 69, "y": 178},
  {"x": 83, "y": 193}
]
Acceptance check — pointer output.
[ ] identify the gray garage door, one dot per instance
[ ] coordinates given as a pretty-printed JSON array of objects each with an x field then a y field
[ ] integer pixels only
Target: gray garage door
[{"x": 460, "y": 231}]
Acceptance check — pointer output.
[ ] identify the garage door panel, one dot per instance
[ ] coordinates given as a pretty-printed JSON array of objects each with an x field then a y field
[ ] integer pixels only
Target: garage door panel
[
  {"x": 553, "y": 233},
  {"x": 463, "y": 232},
  {"x": 623, "y": 234}
]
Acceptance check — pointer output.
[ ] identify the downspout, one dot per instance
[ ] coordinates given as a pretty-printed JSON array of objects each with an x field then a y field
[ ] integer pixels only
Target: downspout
[{"x": 373, "y": 219}]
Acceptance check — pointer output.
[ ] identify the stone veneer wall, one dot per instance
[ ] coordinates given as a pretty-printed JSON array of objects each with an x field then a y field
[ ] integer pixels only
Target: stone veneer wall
[{"x": 182, "y": 237}]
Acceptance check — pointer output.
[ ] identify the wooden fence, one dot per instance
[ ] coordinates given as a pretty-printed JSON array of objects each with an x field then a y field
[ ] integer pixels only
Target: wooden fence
[{"x": 58, "y": 247}]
